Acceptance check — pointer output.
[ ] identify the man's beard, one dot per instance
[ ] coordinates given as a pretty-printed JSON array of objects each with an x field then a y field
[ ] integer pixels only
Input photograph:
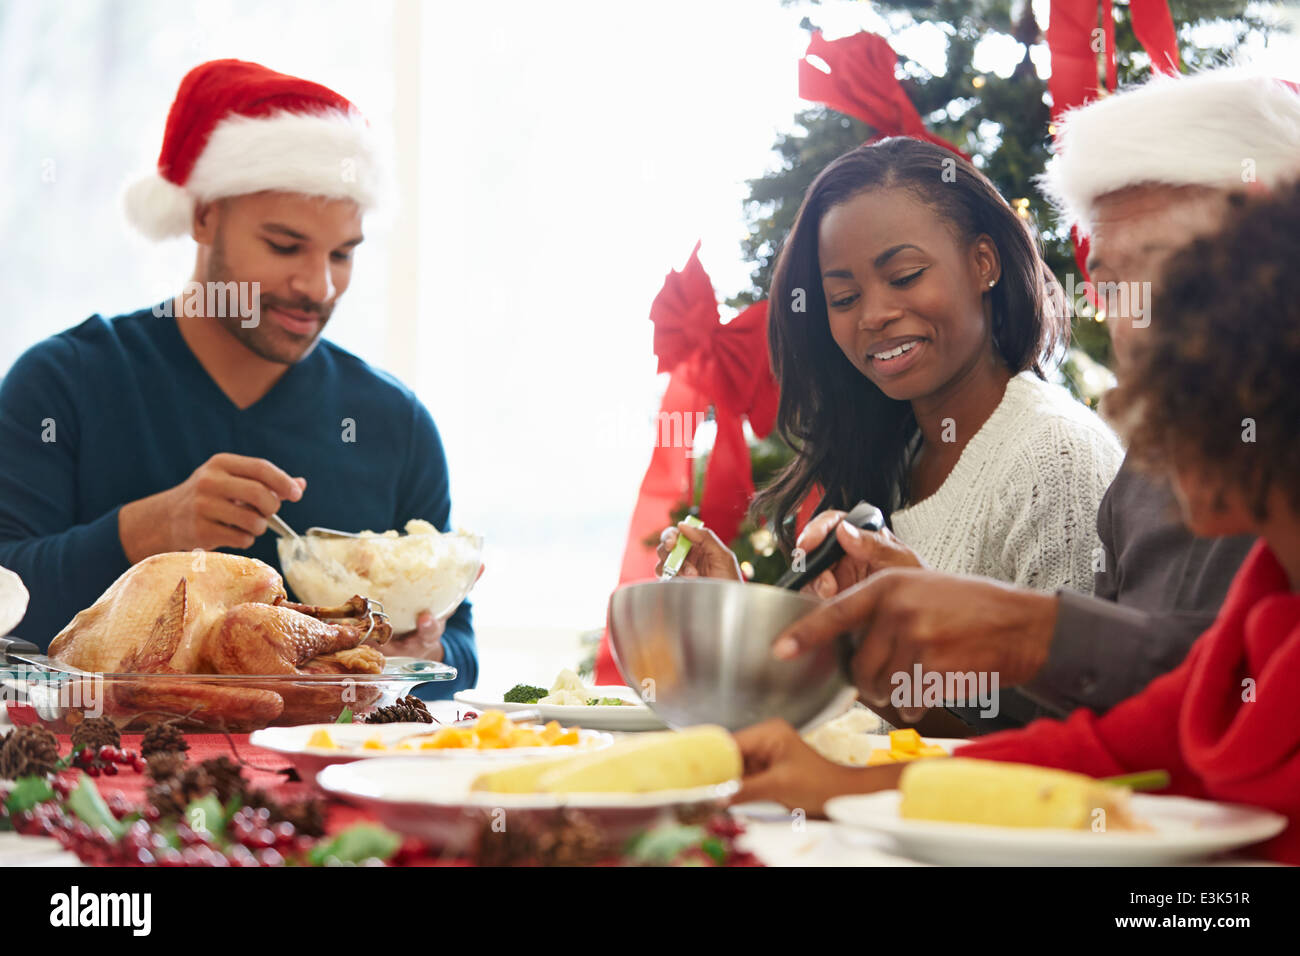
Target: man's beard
[{"x": 265, "y": 339}]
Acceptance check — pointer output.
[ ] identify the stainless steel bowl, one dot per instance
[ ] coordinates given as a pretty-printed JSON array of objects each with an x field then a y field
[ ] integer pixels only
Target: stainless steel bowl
[{"x": 700, "y": 652}]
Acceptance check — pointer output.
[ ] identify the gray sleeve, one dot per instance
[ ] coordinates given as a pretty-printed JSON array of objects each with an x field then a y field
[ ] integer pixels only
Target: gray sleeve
[{"x": 1104, "y": 652}]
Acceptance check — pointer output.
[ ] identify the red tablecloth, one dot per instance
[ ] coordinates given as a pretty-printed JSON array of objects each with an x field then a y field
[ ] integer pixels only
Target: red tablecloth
[
  {"x": 267, "y": 775},
  {"x": 262, "y": 769}
]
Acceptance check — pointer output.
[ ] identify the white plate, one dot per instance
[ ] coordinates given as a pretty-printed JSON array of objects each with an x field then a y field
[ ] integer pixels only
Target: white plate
[
  {"x": 1184, "y": 830},
  {"x": 627, "y": 718},
  {"x": 13, "y": 601},
  {"x": 433, "y": 800},
  {"x": 309, "y": 761}
]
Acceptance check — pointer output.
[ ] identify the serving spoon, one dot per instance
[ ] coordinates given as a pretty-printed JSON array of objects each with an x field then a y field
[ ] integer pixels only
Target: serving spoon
[{"x": 302, "y": 551}]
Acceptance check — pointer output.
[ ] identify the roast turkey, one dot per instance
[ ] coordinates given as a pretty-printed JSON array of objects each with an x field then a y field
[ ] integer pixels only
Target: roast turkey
[{"x": 213, "y": 613}]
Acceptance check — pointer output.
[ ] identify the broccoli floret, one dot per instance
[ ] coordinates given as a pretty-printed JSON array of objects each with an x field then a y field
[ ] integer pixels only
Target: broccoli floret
[
  {"x": 525, "y": 694},
  {"x": 606, "y": 702}
]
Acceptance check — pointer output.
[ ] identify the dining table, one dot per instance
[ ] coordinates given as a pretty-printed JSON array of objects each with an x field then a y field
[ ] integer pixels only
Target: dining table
[{"x": 776, "y": 837}]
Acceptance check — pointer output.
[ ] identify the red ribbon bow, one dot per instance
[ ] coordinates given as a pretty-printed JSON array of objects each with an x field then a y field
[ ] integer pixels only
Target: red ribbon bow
[
  {"x": 863, "y": 85},
  {"x": 712, "y": 364}
]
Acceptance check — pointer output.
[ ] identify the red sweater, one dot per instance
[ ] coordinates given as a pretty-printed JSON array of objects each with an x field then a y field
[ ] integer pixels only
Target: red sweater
[{"x": 1225, "y": 724}]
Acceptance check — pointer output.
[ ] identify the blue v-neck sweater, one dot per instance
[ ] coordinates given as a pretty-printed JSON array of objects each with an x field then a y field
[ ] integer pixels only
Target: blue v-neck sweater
[{"x": 115, "y": 410}]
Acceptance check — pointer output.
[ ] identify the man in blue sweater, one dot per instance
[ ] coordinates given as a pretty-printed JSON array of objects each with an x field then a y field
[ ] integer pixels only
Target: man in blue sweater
[{"x": 187, "y": 424}]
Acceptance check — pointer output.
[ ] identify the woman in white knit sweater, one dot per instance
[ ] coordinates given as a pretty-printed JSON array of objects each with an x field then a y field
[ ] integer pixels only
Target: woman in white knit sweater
[{"x": 911, "y": 317}]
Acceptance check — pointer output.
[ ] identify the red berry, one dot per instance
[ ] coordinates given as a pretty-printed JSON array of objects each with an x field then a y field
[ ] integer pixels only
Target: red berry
[
  {"x": 108, "y": 752},
  {"x": 241, "y": 856},
  {"x": 92, "y": 771},
  {"x": 110, "y": 770}
]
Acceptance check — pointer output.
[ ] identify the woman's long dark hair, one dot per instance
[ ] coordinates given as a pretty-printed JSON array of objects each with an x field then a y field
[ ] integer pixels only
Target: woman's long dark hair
[{"x": 850, "y": 438}]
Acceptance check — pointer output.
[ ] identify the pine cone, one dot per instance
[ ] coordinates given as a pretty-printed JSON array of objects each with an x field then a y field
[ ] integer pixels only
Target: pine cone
[
  {"x": 27, "y": 751},
  {"x": 572, "y": 840},
  {"x": 165, "y": 765},
  {"x": 307, "y": 816},
  {"x": 227, "y": 777},
  {"x": 167, "y": 797},
  {"x": 95, "y": 732},
  {"x": 516, "y": 845},
  {"x": 172, "y": 797},
  {"x": 161, "y": 738},
  {"x": 407, "y": 710}
]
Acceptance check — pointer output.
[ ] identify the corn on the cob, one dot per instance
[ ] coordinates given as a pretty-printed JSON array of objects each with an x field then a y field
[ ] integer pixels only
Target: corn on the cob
[
  {"x": 695, "y": 757},
  {"x": 1010, "y": 795}
]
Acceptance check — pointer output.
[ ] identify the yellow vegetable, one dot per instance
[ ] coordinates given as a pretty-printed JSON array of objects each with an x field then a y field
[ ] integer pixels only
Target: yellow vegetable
[
  {"x": 1010, "y": 795},
  {"x": 449, "y": 738},
  {"x": 526, "y": 737},
  {"x": 906, "y": 741},
  {"x": 374, "y": 743},
  {"x": 904, "y": 746},
  {"x": 322, "y": 738},
  {"x": 694, "y": 757},
  {"x": 491, "y": 723}
]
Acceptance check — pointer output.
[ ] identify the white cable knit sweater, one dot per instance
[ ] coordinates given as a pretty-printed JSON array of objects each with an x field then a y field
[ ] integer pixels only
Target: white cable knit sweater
[{"x": 1021, "y": 503}]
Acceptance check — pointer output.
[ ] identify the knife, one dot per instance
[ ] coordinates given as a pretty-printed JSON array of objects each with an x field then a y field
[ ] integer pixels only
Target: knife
[{"x": 25, "y": 652}]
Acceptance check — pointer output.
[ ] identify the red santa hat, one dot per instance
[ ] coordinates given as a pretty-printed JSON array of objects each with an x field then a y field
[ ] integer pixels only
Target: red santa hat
[
  {"x": 1223, "y": 128},
  {"x": 237, "y": 128}
]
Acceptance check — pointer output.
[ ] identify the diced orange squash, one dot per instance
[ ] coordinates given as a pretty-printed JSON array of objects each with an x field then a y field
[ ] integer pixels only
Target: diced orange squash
[
  {"x": 449, "y": 738},
  {"x": 526, "y": 737},
  {"x": 321, "y": 738},
  {"x": 567, "y": 739},
  {"x": 551, "y": 731},
  {"x": 492, "y": 723},
  {"x": 906, "y": 741},
  {"x": 374, "y": 743}
]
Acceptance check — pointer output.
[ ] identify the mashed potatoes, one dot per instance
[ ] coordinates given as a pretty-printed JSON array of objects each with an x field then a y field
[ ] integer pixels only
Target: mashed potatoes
[
  {"x": 406, "y": 573},
  {"x": 846, "y": 739}
]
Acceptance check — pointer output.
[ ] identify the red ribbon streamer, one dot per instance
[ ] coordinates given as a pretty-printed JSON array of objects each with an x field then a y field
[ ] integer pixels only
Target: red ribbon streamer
[
  {"x": 1074, "y": 80},
  {"x": 723, "y": 366},
  {"x": 863, "y": 84}
]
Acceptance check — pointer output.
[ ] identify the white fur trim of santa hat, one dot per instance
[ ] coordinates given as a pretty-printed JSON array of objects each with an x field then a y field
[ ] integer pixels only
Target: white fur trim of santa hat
[
  {"x": 329, "y": 154},
  {"x": 1222, "y": 128}
]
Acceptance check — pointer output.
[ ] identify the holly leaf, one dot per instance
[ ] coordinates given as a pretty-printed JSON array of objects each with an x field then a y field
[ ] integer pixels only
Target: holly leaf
[
  {"x": 28, "y": 792},
  {"x": 90, "y": 808},
  {"x": 356, "y": 844},
  {"x": 345, "y": 717}
]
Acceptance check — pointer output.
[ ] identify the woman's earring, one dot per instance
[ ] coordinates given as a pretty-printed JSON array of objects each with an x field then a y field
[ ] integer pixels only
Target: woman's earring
[{"x": 992, "y": 283}]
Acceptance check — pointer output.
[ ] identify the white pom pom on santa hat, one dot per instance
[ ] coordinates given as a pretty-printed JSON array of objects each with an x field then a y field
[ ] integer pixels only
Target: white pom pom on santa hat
[
  {"x": 1215, "y": 128},
  {"x": 237, "y": 127}
]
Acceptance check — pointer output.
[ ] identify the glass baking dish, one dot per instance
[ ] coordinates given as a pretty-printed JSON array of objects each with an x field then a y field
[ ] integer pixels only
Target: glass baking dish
[{"x": 206, "y": 703}]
